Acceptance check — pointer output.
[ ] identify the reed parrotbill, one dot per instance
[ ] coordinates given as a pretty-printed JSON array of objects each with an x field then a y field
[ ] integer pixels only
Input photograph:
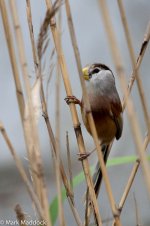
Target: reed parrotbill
[{"x": 106, "y": 109}]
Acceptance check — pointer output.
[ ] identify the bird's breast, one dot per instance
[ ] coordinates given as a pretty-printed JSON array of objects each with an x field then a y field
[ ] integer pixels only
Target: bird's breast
[
  {"x": 105, "y": 126},
  {"x": 100, "y": 107}
]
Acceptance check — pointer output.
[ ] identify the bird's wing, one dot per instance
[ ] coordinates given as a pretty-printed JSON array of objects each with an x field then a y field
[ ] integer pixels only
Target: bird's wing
[
  {"x": 119, "y": 124},
  {"x": 116, "y": 113}
]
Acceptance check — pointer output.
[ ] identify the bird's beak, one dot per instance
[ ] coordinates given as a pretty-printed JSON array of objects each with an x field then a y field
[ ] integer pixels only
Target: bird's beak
[{"x": 85, "y": 72}]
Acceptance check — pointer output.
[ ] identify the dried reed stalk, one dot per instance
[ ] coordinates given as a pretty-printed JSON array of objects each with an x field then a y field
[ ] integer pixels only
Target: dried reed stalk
[
  {"x": 32, "y": 129},
  {"x": 73, "y": 208},
  {"x": 22, "y": 172},
  {"x": 138, "y": 220},
  {"x": 130, "y": 107},
  {"x": 30, "y": 25},
  {"x": 25, "y": 73},
  {"x": 19, "y": 92},
  {"x": 133, "y": 60},
  {"x": 57, "y": 132},
  {"x": 20, "y": 215},
  {"x": 42, "y": 38},
  {"x": 13, "y": 60},
  {"x": 43, "y": 32},
  {"x": 89, "y": 114},
  {"x": 75, "y": 214},
  {"x": 138, "y": 62},
  {"x": 11, "y": 50},
  {"x": 131, "y": 178},
  {"x": 46, "y": 117},
  {"x": 63, "y": 175},
  {"x": 69, "y": 161},
  {"x": 131, "y": 113},
  {"x": 146, "y": 141},
  {"x": 53, "y": 142},
  {"x": 73, "y": 111}
]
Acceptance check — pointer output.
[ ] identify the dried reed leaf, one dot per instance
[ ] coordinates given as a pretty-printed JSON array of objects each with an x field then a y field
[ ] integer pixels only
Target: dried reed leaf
[{"x": 44, "y": 28}]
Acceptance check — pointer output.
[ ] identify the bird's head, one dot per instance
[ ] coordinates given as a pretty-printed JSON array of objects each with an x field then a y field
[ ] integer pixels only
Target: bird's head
[{"x": 94, "y": 69}]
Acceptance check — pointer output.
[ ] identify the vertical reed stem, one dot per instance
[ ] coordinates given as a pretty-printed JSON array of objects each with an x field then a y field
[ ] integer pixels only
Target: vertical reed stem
[
  {"x": 75, "y": 119},
  {"x": 133, "y": 60},
  {"x": 89, "y": 114},
  {"x": 32, "y": 129}
]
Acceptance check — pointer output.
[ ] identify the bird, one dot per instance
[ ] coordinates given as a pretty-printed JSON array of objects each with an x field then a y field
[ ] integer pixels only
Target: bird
[{"x": 106, "y": 110}]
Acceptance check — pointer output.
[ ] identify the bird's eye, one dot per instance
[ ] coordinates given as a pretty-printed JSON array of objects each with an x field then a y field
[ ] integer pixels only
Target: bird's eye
[{"x": 96, "y": 70}]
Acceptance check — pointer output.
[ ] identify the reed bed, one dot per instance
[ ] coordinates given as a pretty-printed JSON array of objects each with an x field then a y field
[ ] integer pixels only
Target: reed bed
[{"x": 34, "y": 100}]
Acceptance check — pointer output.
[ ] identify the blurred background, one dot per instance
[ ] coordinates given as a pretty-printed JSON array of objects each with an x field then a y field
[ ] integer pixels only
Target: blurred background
[{"x": 93, "y": 47}]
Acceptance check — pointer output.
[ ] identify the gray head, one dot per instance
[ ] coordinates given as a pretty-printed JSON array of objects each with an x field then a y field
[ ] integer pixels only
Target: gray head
[{"x": 100, "y": 77}]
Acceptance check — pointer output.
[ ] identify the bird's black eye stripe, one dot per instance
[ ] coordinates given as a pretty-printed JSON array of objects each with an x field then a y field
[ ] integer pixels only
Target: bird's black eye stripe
[
  {"x": 90, "y": 75},
  {"x": 95, "y": 70}
]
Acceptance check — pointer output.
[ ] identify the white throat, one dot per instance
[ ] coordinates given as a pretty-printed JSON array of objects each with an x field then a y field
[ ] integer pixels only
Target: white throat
[{"x": 101, "y": 83}]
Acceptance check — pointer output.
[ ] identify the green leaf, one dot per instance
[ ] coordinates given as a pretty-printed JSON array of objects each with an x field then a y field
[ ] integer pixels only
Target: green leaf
[
  {"x": 121, "y": 160},
  {"x": 80, "y": 178},
  {"x": 54, "y": 206}
]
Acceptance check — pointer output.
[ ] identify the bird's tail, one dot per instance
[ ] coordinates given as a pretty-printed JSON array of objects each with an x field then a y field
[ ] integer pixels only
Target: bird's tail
[
  {"x": 97, "y": 176},
  {"x": 97, "y": 179}
]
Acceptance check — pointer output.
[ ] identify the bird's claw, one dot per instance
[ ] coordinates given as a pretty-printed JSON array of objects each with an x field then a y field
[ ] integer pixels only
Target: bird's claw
[
  {"x": 72, "y": 99},
  {"x": 83, "y": 156}
]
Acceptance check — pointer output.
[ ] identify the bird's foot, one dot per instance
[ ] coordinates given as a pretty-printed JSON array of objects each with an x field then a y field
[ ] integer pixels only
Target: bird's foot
[
  {"x": 72, "y": 99},
  {"x": 83, "y": 156}
]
